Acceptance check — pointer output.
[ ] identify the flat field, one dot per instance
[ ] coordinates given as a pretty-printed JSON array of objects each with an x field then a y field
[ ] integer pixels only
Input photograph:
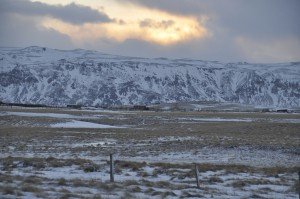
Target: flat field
[{"x": 64, "y": 153}]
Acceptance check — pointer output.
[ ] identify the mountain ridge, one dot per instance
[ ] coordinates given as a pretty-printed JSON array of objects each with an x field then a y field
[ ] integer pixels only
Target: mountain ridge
[{"x": 59, "y": 77}]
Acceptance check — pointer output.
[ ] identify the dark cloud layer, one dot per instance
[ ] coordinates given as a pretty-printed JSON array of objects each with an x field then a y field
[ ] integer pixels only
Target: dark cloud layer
[
  {"x": 19, "y": 31},
  {"x": 72, "y": 13},
  {"x": 184, "y": 7}
]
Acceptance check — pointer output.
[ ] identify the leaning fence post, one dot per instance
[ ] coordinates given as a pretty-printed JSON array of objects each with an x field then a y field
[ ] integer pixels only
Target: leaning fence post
[
  {"x": 197, "y": 175},
  {"x": 111, "y": 168}
]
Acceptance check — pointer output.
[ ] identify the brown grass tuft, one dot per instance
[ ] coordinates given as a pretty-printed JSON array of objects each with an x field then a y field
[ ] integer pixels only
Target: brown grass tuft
[{"x": 8, "y": 190}]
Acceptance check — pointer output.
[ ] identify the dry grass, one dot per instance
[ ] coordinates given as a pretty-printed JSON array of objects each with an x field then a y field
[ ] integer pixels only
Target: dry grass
[
  {"x": 97, "y": 196},
  {"x": 109, "y": 187},
  {"x": 257, "y": 134},
  {"x": 135, "y": 189},
  {"x": 164, "y": 165},
  {"x": 30, "y": 188},
  {"x": 247, "y": 182},
  {"x": 126, "y": 195},
  {"x": 8, "y": 190},
  {"x": 215, "y": 179},
  {"x": 238, "y": 184},
  {"x": 69, "y": 195},
  {"x": 78, "y": 183},
  {"x": 33, "y": 180},
  {"x": 274, "y": 171},
  {"x": 186, "y": 194},
  {"x": 163, "y": 184},
  {"x": 155, "y": 172},
  {"x": 90, "y": 167},
  {"x": 156, "y": 193},
  {"x": 130, "y": 182},
  {"x": 62, "y": 182},
  {"x": 296, "y": 187},
  {"x": 41, "y": 163},
  {"x": 133, "y": 142},
  {"x": 262, "y": 136},
  {"x": 168, "y": 194},
  {"x": 134, "y": 166},
  {"x": 143, "y": 174}
]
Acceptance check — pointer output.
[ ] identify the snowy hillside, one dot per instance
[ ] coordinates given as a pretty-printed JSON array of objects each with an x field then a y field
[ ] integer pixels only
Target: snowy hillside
[{"x": 56, "y": 77}]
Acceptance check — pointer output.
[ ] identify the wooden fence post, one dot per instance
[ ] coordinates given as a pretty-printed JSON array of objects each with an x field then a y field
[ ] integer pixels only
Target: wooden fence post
[
  {"x": 197, "y": 175},
  {"x": 299, "y": 184},
  {"x": 111, "y": 168}
]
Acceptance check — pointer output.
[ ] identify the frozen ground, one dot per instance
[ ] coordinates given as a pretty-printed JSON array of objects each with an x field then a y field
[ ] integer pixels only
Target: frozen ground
[
  {"x": 239, "y": 155},
  {"x": 34, "y": 177},
  {"x": 81, "y": 124}
]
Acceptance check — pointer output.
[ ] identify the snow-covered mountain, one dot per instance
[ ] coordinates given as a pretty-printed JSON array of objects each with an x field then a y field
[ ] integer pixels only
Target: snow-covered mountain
[{"x": 56, "y": 77}]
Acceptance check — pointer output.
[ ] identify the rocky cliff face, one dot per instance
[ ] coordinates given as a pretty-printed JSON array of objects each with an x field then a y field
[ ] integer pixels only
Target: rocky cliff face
[{"x": 55, "y": 77}]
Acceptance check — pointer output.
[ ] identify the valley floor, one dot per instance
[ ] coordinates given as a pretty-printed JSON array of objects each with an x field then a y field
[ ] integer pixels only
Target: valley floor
[{"x": 64, "y": 153}]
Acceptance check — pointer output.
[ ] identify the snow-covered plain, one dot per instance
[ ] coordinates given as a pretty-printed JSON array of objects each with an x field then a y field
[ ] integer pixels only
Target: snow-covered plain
[
  {"x": 153, "y": 180},
  {"x": 240, "y": 155}
]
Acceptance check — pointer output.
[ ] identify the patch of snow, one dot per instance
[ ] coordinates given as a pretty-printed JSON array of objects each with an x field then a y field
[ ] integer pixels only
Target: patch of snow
[
  {"x": 95, "y": 144},
  {"x": 81, "y": 124},
  {"x": 53, "y": 115},
  {"x": 295, "y": 121},
  {"x": 174, "y": 138},
  {"x": 217, "y": 119}
]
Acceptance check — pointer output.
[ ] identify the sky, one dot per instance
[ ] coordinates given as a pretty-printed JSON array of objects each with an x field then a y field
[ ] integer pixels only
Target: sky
[{"x": 259, "y": 31}]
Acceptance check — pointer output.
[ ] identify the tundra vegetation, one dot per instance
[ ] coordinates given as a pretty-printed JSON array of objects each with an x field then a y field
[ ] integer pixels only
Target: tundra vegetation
[{"x": 239, "y": 155}]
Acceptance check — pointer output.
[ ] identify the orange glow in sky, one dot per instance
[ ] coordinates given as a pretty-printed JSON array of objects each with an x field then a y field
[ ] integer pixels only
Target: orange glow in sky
[{"x": 130, "y": 22}]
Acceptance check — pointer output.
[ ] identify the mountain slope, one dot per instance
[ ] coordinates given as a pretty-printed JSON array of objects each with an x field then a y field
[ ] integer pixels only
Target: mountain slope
[{"x": 56, "y": 77}]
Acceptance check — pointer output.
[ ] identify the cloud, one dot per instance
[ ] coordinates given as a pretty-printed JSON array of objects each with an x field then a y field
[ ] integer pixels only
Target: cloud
[
  {"x": 20, "y": 31},
  {"x": 149, "y": 23},
  {"x": 71, "y": 13},
  {"x": 208, "y": 49},
  {"x": 255, "y": 17},
  {"x": 224, "y": 30},
  {"x": 279, "y": 50},
  {"x": 187, "y": 7},
  {"x": 257, "y": 31},
  {"x": 164, "y": 30},
  {"x": 121, "y": 22}
]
